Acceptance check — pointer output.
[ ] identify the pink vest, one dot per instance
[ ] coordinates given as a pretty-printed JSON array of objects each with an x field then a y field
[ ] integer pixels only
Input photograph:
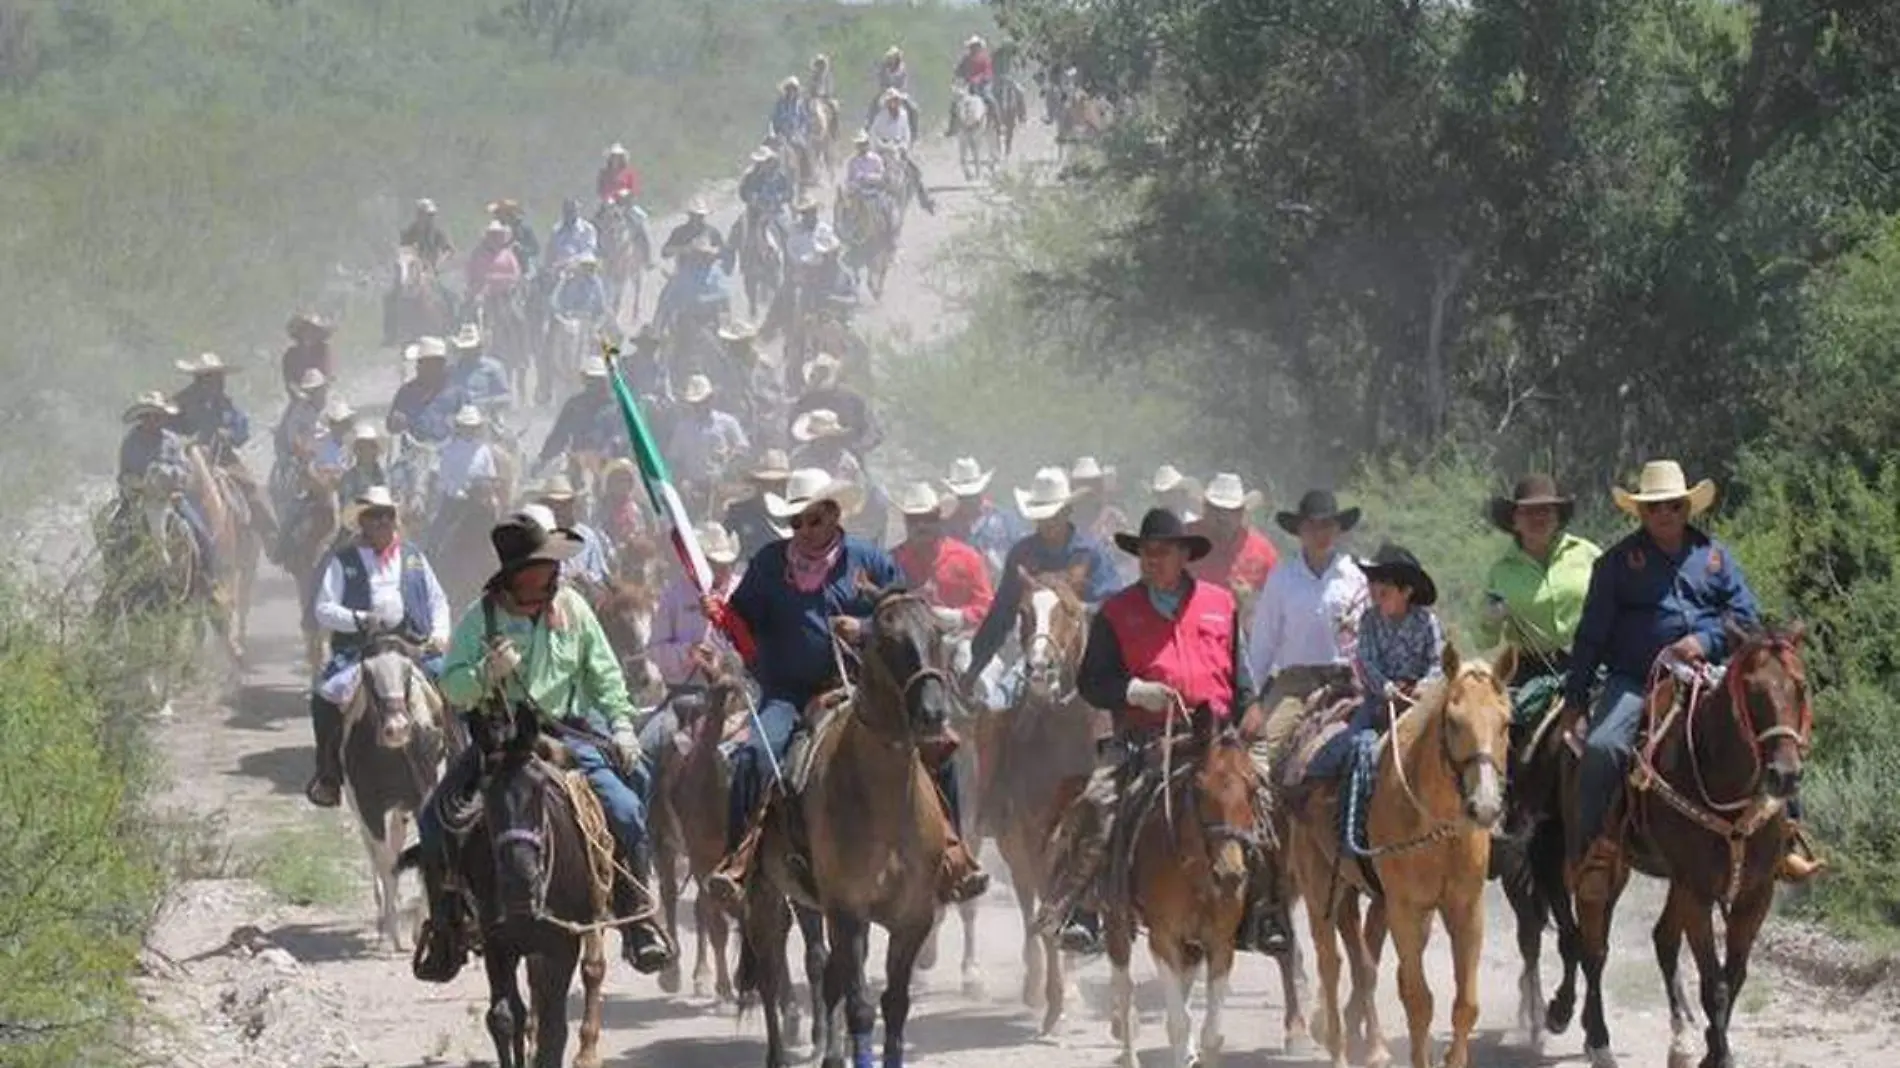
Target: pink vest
[{"x": 1192, "y": 653}]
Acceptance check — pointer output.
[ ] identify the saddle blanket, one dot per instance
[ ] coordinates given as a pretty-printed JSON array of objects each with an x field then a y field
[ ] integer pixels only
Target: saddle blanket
[{"x": 1327, "y": 713}]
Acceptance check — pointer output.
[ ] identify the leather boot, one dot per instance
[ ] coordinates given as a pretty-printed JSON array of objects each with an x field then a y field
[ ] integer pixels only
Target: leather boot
[
  {"x": 643, "y": 944},
  {"x": 325, "y": 789},
  {"x": 727, "y": 884},
  {"x": 1799, "y": 863},
  {"x": 1598, "y": 867},
  {"x": 960, "y": 878}
]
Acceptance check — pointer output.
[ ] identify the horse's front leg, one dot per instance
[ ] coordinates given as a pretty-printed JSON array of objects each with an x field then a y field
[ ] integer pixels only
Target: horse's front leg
[
  {"x": 811, "y": 930},
  {"x": 1744, "y": 923},
  {"x": 712, "y": 921},
  {"x": 1325, "y": 932},
  {"x": 841, "y": 961},
  {"x": 549, "y": 976},
  {"x": 507, "y": 1013},
  {"x": 593, "y": 974},
  {"x": 1410, "y": 928},
  {"x": 1220, "y": 968},
  {"x": 899, "y": 959},
  {"x": 972, "y": 971},
  {"x": 1365, "y": 939},
  {"x": 1594, "y": 914},
  {"x": 1464, "y": 926},
  {"x": 1121, "y": 1019},
  {"x": 1667, "y": 938},
  {"x": 1177, "y": 978}
]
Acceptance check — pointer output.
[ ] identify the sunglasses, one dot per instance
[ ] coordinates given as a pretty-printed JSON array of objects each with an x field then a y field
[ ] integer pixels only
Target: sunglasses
[
  {"x": 811, "y": 520},
  {"x": 379, "y": 515},
  {"x": 1666, "y": 506}
]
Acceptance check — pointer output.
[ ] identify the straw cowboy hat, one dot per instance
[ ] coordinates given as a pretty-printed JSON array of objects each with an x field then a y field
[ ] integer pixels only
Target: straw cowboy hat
[
  {"x": 1162, "y": 525},
  {"x": 1317, "y": 504},
  {"x": 371, "y": 498},
  {"x": 890, "y": 94},
  {"x": 1048, "y": 494},
  {"x": 1663, "y": 480},
  {"x": 763, "y": 154},
  {"x": 1089, "y": 469},
  {"x": 738, "y": 330},
  {"x": 822, "y": 367},
  {"x": 468, "y": 416},
  {"x": 1531, "y": 491},
  {"x": 151, "y": 402},
  {"x": 207, "y": 363},
  {"x": 1225, "y": 491},
  {"x": 468, "y": 337},
  {"x": 504, "y": 206},
  {"x": 967, "y": 477},
  {"x": 310, "y": 322},
  {"x": 919, "y": 499},
  {"x": 594, "y": 367},
  {"x": 524, "y": 539},
  {"x": 363, "y": 431},
  {"x": 773, "y": 466},
  {"x": 717, "y": 542},
  {"x": 697, "y": 388},
  {"x": 427, "y": 347},
  {"x": 1397, "y": 567},
  {"x": 540, "y": 513},
  {"x": 555, "y": 487},
  {"x": 496, "y": 226},
  {"x": 338, "y": 411},
  {"x": 312, "y": 379},
  {"x": 809, "y": 485},
  {"x": 818, "y": 423}
]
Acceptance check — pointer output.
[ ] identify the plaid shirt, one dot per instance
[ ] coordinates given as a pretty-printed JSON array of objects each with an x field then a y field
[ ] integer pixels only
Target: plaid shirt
[{"x": 1408, "y": 649}]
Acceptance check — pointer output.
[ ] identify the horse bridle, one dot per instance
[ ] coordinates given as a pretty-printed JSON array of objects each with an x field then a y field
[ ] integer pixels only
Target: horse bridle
[
  {"x": 905, "y": 688},
  {"x": 1060, "y": 652}
]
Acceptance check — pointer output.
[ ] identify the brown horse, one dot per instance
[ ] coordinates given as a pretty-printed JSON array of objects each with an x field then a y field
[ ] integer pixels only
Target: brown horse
[
  {"x": 1187, "y": 883},
  {"x": 459, "y": 546},
  {"x": 625, "y": 609},
  {"x": 1439, "y": 792},
  {"x": 234, "y": 541},
  {"x": 420, "y": 307},
  {"x": 689, "y": 824},
  {"x": 312, "y": 533},
  {"x": 873, "y": 822},
  {"x": 1706, "y": 810}
]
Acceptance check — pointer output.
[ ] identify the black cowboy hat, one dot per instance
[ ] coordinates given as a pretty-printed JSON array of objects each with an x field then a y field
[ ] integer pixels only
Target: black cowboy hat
[
  {"x": 1317, "y": 504},
  {"x": 1531, "y": 490},
  {"x": 1162, "y": 525},
  {"x": 1394, "y": 565},
  {"x": 520, "y": 541}
]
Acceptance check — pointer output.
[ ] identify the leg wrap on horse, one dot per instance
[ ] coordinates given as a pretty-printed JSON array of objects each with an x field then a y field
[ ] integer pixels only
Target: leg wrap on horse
[{"x": 1614, "y": 724}]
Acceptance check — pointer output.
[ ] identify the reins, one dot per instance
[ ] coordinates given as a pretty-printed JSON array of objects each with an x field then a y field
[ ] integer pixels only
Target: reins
[{"x": 1441, "y": 827}]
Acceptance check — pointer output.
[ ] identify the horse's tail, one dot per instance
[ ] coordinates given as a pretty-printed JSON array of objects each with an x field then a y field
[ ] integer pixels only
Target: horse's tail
[{"x": 746, "y": 976}]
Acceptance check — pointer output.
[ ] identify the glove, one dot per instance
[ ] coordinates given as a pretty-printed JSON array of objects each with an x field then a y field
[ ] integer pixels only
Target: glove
[
  {"x": 501, "y": 662},
  {"x": 1391, "y": 690},
  {"x": 950, "y": 618},
  {"x": 628, "y": 743},
  {"x": 1153, "y": 696}
]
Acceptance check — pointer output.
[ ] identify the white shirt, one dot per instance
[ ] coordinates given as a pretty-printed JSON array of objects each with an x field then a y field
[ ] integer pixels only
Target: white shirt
[
  {"x": 460, "y": 463},
  {"x": 385, "y": 599},
  {"x": 892, "y": 128},
  {"x": 1303, "y": 618}
]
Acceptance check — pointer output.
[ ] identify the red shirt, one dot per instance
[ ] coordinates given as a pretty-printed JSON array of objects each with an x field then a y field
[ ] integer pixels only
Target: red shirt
[
  {"x": 955, "y": 578},
  {"x": 1246, "y": 559},
  {"x": 611, "y": 181},
  {"x": 1193, "y": 653}
]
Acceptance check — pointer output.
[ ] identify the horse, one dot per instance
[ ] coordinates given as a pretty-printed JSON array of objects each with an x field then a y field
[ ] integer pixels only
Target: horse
[
  {"x": 1080, "y": 119},
  {"x": 1187, "y": 846},
  {"x": 421, "y": 308},
  {"x": 869, "y": 234},
  {"x": 234, "y": 541},
  {"x": 977, "y": 133},
  {"x": 821, "y": 139},
  {"x": 1028, "y": 752},
  {"x": 628, "y": 255},
  {"x": 625, "y": 608},
  {"x": 761, "y": 260},
  {"x": 460, "y": 542},
  {"x": 152, "y": 570},
  {"x": 570, "y": 340},
  {"x": 1438, "y": 793},
  {"x": 412, "y": 472},
  {"x": 504, "y": 322},
  {"x": 311, "y": 534},
  {"x": 868, "y": 862},
  {"x": 689, "y": 825},
  {"x": 1705, "y": 810},
  {"x": 1012, "y": 110},
  {"x": 393, "y": 741}
]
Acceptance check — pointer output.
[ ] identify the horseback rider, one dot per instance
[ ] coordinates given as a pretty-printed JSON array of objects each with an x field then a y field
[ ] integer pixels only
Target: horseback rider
[
  {"x": 698, "y": 293},
  {"x": 425, "y": 406},
  {"x": 333, "y": 449},
  {"x": 300, "y": 429},
  {"x": 535, "y": 640},
  {"x": 582, "y": 294},
  {"x": 824, "y": 442},
  {"x": 150, "y": 447},
  {"x": 573, "y": 238},
  {"x": 683, "y": 645},
  {"x": 947, "y": 572},
  {"x": 789, "y": 119},
  {"x": 893, "y": 126},
  {"x": 493, "y": 270},
  {"x": 465, "y": 464},
  {"x": 1095, "y": 508},
  {"x": 425, "y": 234},
  {"x": 797, "y": 598},
  {"x": 748, "y": 519},
  {"x": 1167, "y": 645},
  {"x": 1664, "y": 594},
  {"x": 618, "y": 511},
  {"x": 824, "y": 391},
  {"x": 1242, "y": 557},
  {"x": 478, "y": 377},
  {"x": 892, "y": 73},
  {"x": 309, "y": 347},
  {"x": 691, "y": 230},
  {"x": 760, "y": 401},
  {"x": 376, "y": 583},
  {"x": 974, "y": 517},
  {"x": 1057, "y": 544},
  {"x": 208, "y": 416},
  {"x": 705, "y": 440},
  {"x": 366, "y": 463},
  {"x": 823, "y": 82},
  {"x": 617, "y": 175},
  {"x": 1301, "y": 633},
  {"x": 593, "y": 565},
  {"x": 765, "y": 190},
  {"x": 589, "y": 421},
  {"x": 801, "y": 242},
  {"x": 1176, "y": 492},
  {"x": 975, "y": 71},
  {"x": 1534, "y": 593},
  {"x": 864, "y": 178},
  {"x": 526, "y": 246}
]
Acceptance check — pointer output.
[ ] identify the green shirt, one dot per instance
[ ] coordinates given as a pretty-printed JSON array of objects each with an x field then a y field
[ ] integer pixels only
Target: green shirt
[
  {"x": 567, "y": 670},
  {"x": 1545, "y": 602}
]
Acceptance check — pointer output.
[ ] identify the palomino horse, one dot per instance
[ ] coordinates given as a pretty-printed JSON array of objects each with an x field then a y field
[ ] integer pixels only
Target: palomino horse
[
  {"x": 869, "y": 862},
  {"x": 1027, "y": 753},
  {"x": 1706, "y": 810},
  {"x": 869, "y": 234},
  {"x": 1080, "y": 119},
  {"x": 1438, "y": 793},
  {"x": 307, "y": 543},
  {"x": 393, "y": 744},
  {"x": 420, "y": 306},
  {"x": 234, "y": 542},
  {"x": 977, "y": 134},
  {"x": 1186, "y": 881}
]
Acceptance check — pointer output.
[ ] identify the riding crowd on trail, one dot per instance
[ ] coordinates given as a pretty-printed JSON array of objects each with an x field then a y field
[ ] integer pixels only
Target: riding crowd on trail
[{"x": 1172, "y": 727}]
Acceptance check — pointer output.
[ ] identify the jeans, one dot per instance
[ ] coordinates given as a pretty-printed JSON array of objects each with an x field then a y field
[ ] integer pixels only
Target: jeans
[
  {"x": 200, "y": 532},
  {"x": 1614, "y": 723},
  {"x": 1330, "y": 761},
  {"x": 753, "y": 762},
  {"x": 655, "y": 735}
]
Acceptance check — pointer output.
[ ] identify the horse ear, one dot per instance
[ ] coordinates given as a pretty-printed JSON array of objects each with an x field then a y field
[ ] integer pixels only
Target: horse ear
[
  {"x": 1449, "y": 662},
  {"x": 1504, "y": 668},
  {"x": 1737, "y": 634}
]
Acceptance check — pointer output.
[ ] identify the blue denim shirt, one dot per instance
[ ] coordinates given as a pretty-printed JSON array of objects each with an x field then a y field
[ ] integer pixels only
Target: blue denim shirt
[
  {"x": 1038, "y": 557},
  {"x": 482, "y": 381},
  {"x": 792, "y": 630}
]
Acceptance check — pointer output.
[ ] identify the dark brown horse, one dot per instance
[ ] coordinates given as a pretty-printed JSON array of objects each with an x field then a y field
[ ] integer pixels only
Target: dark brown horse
[
  {"x": 689, "y": 827},
  {"x": 1705, "y": 810}
]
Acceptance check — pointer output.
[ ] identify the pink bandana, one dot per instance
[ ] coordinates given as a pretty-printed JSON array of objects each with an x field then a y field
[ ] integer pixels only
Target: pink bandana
[{"x": 807, "y": 569}]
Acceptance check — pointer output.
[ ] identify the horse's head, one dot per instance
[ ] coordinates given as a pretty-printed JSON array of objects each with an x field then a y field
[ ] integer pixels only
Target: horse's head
[
  {"x": 1052, "y": 625},
  {"x": 626, "y": 617},
  {"x": 514, "y": 805},
  {"x": 388, "y": 694},
  {"x": 1768, "y": 691},
  {"x": 1474, "y": 731},
  {"x": 903, "y": 649},
  {"x": 1223, "y": 787}
]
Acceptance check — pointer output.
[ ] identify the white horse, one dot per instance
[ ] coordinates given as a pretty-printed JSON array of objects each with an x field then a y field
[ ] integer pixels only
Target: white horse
[{"x": 978, "y": 141}]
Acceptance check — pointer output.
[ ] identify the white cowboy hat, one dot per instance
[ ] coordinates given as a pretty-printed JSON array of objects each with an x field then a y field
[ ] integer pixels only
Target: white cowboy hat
[
  {"x": 697, "y": 388},
  {"x": 469, "y": 416},
  {"x": 862, "y": 137},
  {"x": 919, "y": 498},
  {"x": 555, "y": 487},
  {"x": 313, "y": 378},
  {"x": 1226, "y": 491},
  {"x": 1167, "y": 477},
  {"x": 975, "y": 41},
  {"x": 818, "y": 423},
  {"x": 717, "y": 542},
  {"x": 822, "y": 365},
  {"x": 890, "y": 94},
  {"x": 1048, "y": 494},
  {"x": 427, "y": 347},
  {"x": 365, "y": 431},
  {"x": 1089, "y": 469},
  {"x": 791, "y": 82},
  {"x": 967, "y": 477},
  {"x": 338, "y": 411},
  {"x": 616, "y": 149},
  {"x": 594, "y": 367},
  {"x": 372, "y": 497},
  {"x": 698, "y": 206},
  {"x": 426, "y": 206},
  {"x": 468, "y": 337},
  {"x": 763, "y": 154},
  {"x": 150, "y": 402},
  {"x": 893, "y": 52},
  {"x": 738, "y": 331},
  {"x": 808, "y": 485},
  {"x": 207, "y": 363},
  {"x": 773, "y": 465},
  {"x": 540, "y": 514},
  {"x": 1663, "y": 480}
]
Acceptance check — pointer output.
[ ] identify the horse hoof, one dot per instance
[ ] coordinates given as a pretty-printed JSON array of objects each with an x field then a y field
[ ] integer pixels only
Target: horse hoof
[
  {"x": 972, "y": 983},
  {"x": 670, "y": 980},
  {"x": 1050, "y": 1019},
  {"x": 1557, "y": 1017},
  {"x": 1297, "y": 1044}
]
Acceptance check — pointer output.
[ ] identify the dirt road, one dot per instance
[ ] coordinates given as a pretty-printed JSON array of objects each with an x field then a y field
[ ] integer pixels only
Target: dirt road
[{"x": 251, "y": 981}]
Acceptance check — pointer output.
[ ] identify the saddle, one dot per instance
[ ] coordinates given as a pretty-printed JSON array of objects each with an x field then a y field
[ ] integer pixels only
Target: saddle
[
  {"x": 1140, "y": 787},
  {"x": 1328, "y": 710}
]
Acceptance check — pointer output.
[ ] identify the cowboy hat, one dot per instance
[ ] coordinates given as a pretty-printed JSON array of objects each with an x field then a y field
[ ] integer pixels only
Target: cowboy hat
[
  {"x": 1663, "y": 480},
  {"x": 427, "y": 347},
  {"x": 496, "y": 226},
  {"x": 1531, "y": 491},
  {"x": 496, "y": 207},
  {"x": 469, "y": 416},
  {"x": 616, "y": 149},
  {"x": 310, "y": 321},
  {"x": 697, "y": 206},
  {"x": 425, "y": 206},
  {"x": 542, "y": 515},
  {"x": 717, "y": 542},
  {"x": 1226, "y": 492},
  {"x": 1047, "y": 495},
  {"x": 1168, "y": 478},
  {"x": 697, "y": 388},
  {"x": 522, "y": 539},
  {"x": 1162, "y": 525},
  {"x": 363, "y": 431},
  {"x": 594, "y": 367},
  {"x": 312, "y": 379},
  {"x": 338, "y": 411},
  {"x": 619, "y": 465},
  {"x": 893, "y": 52},
  {"x": 773, "y": 466},
  {"x": 824, "y": 242},
  {"x": 807, "y": 486},
  {"x": 823, "y": 366},
  {"x": 738, "y": 331},
  {"x": 149, "y": 403},
  {"x": 805, "y": 205},
  {"x": 890, "y": 94},
  {"x": 1317, "y": 504},
  {"x": 790, "y": 82},
  {"x": 862, "y": 137},
  {"x": 207, "y": 363},
  {"x": 468, "y": 337},
  {"x": 1397, "y": 567},
  {"x": 818, "y": 423},
  {"x": 555, "y": 487},
  {"x": 1089, "y": 469},
  {"x": 919, "y": 499},
  {"x": 371, "y": 498},
  {"x": 763, "y": 154},
  {"x": 975, "y": 41},
  {"x": 588, "y": 259},
  {"x": 967, "y": 477}
]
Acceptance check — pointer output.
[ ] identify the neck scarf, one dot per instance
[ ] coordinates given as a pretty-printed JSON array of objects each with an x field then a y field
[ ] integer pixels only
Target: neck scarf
[
  {"x": 807, "y": 569},
  {"x": 1167, "y": 602}
]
